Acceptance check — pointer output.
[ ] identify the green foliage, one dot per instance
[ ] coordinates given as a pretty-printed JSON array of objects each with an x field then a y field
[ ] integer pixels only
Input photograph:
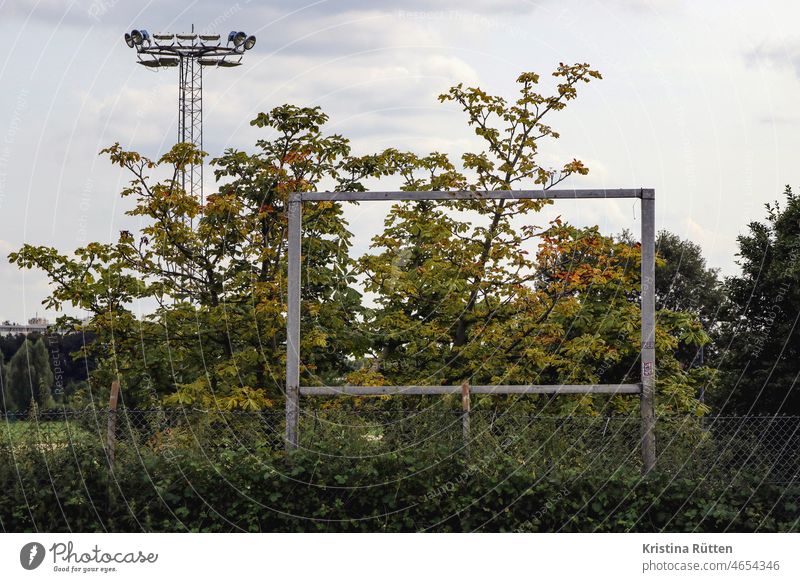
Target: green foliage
[
  {"x": 29, "y": 378},
  {"x": 460, "y": 290},
  {"x": 448, "y": 276},
  {"x": 683, "y": 280},
  {"x": 684, "y": 283},
  {"x": 240, "y": 489},
  {"x": 464, "y": 292},
  {"x": 570, "y": 314},
  {"x": 5, "y": 396},
  {"x": 217, "y": 271},
  {"x": 760, "y": 327}
]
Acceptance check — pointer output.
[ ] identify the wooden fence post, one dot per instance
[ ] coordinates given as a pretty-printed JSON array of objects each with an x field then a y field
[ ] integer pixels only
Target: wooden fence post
[
  {"x": 111, "y": 433},
  {"x": 465, "y": 410}
]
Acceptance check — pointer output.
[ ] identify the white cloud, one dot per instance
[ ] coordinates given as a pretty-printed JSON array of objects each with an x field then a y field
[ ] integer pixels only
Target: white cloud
[{"x": 777, "y": 55}]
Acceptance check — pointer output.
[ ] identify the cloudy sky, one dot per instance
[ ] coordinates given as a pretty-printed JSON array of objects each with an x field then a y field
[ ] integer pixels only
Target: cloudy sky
[{"x": 699, "y": 100}]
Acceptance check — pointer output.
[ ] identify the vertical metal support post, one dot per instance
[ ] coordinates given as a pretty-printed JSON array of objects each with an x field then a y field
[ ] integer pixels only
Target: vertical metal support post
[
  {"x": 295, "y": 219},
  {"x": 197, "y": 128},
  {"x": 182, "y": 112},
  {"x": 648, "y": 355},
  {"x": 190, "y": 120}
]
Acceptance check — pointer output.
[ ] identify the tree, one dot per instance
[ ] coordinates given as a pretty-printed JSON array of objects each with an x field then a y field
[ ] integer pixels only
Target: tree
[
  {"x": 5, "y": 397},
  {"x": 9, "y": 344},
  {"x": 29, "y": 377},
  {"x": 684, "y": 283},
  {"x": 683, "y": 280},
  {"x": 461, "y": 294},
  {"x": 217, "y": 271},
  {"x": 460, "y": 290},
  {"x": 439, "y": 277},
  {"x": 760, "y": 347}
]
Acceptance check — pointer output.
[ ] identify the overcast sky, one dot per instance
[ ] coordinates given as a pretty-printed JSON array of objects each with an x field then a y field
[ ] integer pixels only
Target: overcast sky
[{"x": 699, "y": 100}]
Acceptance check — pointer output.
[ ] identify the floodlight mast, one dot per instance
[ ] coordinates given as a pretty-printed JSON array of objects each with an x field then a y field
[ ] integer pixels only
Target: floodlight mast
[{"x": 189, "y": 53}]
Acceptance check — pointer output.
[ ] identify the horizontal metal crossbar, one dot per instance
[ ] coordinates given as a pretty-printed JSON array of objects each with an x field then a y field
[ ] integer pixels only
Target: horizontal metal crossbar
[
  {"x": 509, "y": 389},
  {"x": 648, "y": 193}
]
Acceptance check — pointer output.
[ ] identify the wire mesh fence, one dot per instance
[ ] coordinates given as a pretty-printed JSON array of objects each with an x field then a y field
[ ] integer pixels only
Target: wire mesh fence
[{"x": 766, "y": 448}]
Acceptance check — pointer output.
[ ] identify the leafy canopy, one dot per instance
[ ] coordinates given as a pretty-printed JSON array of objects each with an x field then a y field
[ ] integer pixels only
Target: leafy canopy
[{"x": 457, "y": 290}]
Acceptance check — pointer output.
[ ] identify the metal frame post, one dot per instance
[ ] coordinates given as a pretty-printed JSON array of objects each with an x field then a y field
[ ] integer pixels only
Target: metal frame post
[
  {"x": 648, "y": 352},
  {"x": 295, "y": 219}
]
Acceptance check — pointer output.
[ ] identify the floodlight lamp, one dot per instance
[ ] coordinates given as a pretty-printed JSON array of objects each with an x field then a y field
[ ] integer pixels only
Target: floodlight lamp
[
  {"x": 137, "y": 37},
  {"x": 250, "y": 42},
  {"x": 128, "y": 40},
  {"x": 231, "y": 35},
  {"x": 239, "y": 38}
]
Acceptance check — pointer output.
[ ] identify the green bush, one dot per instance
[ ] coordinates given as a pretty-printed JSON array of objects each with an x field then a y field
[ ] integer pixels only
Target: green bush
[{"x": 68, "y": 487}]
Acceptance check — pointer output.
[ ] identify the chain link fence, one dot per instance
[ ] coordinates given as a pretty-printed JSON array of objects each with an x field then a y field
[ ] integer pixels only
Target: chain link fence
[{"x": 766, "y": 448}]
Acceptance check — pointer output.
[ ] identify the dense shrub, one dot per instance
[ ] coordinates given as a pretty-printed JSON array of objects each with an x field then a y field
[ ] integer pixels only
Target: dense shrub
[{"x": 68, "y": 487}]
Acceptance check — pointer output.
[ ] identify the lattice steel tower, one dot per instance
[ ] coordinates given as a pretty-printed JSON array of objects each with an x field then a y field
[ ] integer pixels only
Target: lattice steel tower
[{"x": 190, "y": 53}]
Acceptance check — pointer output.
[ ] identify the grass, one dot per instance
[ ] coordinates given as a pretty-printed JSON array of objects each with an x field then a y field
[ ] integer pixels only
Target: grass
[{"x": 44, "y": 433}]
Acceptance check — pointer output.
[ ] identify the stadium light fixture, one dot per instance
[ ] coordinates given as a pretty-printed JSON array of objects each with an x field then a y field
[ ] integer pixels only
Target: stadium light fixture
[
  {"x": 190, "y": 52},
  {"x": 239, "y": 38}
]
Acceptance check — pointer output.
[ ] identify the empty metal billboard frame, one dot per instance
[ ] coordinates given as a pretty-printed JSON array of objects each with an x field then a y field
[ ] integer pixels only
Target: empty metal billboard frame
[{"x": 646, "y": 387}]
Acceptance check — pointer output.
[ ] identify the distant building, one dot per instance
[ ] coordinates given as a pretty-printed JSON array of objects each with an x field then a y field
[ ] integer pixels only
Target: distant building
[{"x": 34, "y": 325}]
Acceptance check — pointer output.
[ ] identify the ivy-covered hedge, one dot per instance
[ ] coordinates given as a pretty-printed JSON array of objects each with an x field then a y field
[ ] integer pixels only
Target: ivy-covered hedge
[{"x": 69, "y": 488}]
